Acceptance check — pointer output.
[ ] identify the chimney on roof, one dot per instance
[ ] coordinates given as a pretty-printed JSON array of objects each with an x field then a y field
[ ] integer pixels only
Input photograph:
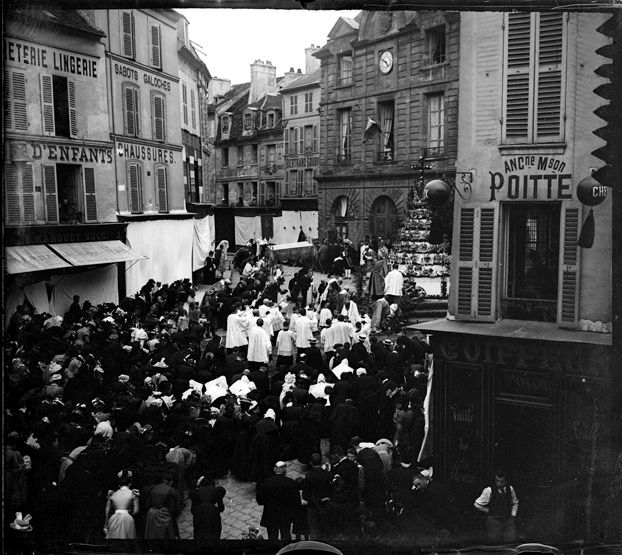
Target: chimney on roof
[
  {"x": 263, "y": 80},
  {"x": 311, "y": 63}
]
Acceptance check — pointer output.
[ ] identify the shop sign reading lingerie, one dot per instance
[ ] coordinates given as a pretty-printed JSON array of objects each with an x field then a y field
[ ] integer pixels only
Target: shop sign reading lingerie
[{"x": 531, "y": 177}]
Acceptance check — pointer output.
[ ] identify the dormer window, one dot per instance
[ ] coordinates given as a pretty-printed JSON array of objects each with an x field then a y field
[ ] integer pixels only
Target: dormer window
[
  {"x": 270, "y": 120},
  {"x": 225, "y": 124},
  {"x": 248, "y": 121}
]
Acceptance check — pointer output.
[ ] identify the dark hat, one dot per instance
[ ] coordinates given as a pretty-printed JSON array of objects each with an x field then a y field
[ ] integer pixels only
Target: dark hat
[
  {"x": 313, "y": 340},
  {"x": 388, "y": 342}
]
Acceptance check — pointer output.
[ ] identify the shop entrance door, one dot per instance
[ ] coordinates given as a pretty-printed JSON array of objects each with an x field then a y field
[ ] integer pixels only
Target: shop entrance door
[{"x": 383, "y": 218}]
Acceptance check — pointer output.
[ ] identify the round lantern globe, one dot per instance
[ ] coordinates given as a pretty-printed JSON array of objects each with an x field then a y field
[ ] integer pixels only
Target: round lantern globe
[
  {"x": 590, "y": 192},
  {"x": 436, "y": 192}
]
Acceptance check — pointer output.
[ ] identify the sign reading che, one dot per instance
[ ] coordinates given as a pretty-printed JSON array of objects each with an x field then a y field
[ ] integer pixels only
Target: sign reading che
[{"x": 531, "y": 177}]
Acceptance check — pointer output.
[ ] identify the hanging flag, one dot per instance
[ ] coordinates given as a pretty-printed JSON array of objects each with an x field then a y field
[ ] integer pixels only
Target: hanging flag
[{"x": 371, "y": 130}]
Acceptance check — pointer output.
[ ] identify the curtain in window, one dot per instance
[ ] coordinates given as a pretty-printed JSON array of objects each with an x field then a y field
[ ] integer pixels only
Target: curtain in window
[
  {"x": 386, "y": 122},
  {"x": 345, "y": 132}
]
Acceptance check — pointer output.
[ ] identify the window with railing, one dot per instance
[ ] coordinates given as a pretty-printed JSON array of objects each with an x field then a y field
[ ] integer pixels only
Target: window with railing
[{"x": 344, "y": 64}]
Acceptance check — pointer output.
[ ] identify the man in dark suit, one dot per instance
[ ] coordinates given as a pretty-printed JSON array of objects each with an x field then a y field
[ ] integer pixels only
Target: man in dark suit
[
  {"x": 314, "y": 357},
  {"x": 317, "y": 492},
  {"x": 358, "y": 353},
  {"x": 281, "y": 503},
  {"x": 345, "y": 498}
]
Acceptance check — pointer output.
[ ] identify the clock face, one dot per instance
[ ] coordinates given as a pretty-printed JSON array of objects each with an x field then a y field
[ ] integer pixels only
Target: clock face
[{"x": 386, "y": 61}]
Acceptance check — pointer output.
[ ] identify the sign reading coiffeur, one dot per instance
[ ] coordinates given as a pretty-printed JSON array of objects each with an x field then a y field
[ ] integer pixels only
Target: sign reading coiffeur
[{"x": 531, "y": 177}]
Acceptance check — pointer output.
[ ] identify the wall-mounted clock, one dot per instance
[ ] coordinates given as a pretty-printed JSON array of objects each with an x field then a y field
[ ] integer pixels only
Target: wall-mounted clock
[{"x": 386, "y": 62}]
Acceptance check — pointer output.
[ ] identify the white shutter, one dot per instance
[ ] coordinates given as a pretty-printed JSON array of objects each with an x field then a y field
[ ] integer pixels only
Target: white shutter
[
  {"x": 184, "y": 100},
  {"x": 134, "y": 180},
  {"x": 73, "y": 119},
  {"x": 47, "y": 105},
  {"x": 51, "y": 195},
  {"x": 156, "y": 58},
  {"x": 567, "y": 304},
  {"x": 159, "y": 118},
  {"x": 15, "y": 112},
  {"x": 162, "y": 186},
  {"x": 90, "y": 200},
  {"x": 286, "y": 140},
  {"x": 12, "y": 194},
  {"x": 193, "y": 109},
  {"x": 127, "y": 34},
  {"x": 476, "y": 274}
]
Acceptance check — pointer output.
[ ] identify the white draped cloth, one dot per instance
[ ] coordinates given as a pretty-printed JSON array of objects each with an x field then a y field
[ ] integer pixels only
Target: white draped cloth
[
  {"x": 259, "y": 346},
  {"x": 343, "y": 333},
  {"x": 352, "y": 312},
  {"x": 327, "y": 338},
  {"x": 236, "y": 331},
  {"x": 394, "y": 283},
  {"x": 325, "y": 314},
  {"x": 303, "y": 332},
  {"x": 342, "y": 368}
]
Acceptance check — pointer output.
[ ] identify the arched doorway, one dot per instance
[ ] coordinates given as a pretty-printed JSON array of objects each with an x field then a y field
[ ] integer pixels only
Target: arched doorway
[{"x": 383, "y": 218}]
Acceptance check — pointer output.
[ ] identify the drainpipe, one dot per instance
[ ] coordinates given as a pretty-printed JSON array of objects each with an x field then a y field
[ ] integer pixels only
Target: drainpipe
[{"x": 111, "y": 110}]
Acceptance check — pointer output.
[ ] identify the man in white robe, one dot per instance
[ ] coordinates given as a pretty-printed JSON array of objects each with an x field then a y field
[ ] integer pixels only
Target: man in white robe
[
  {"x": 236, "y": 330},
  {"x": 343, "y": 331},
  {"x": 259, "y": 346},
  {"x": 327, "y": 337},
  {"x": 394, "y": 284},
  {"x": 303, "y": 331},
  {"x": 351, "y": 311}
]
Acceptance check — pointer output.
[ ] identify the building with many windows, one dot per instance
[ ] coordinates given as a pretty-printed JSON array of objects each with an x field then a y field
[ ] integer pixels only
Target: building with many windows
[
  {"x": 397, "y": 72},
  {"x": 522, "y": 372},
  {"x": 301, "y": 136},
  {"x": 60, "y": 198},
  {"x": 145, "y": 106}
]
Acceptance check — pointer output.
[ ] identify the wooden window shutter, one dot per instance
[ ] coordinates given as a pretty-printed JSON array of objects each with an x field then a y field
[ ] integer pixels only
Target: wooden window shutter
[
  {"x": 549, "y": 75},
  {"x": 301, "y": 140},
  {"x": 156, "y": 58},
  {"x": 567, "y": 308},
  {"x": 51, "y": 194},
  {"x": 184, "y": 100},
  {"x": 90, "y": 200},
  {"x": 159, "y": 118},
  {"x": 466, "y": 263},
  {"x": 134, "y": 179},
  {"x": 262, "y": 193},
  {"x": 162, "y": 186},
  {"x": 286, "y": 141},
  {"x": 47, "y": 104},
  {"x": 28, "y": 193},
  {"x": 12, "y": 194},
  {"x": 295, "y": 141},
  {"x": 15, "y": 111},
  {"x": 277, "y": 192},
  {"x": 193, "y": 108},
  {"x": 73, "y": 118},
  {"x": 132, "y": 122},
  {"x": 518, "y": 81},
  {"x": 477, "y": 262},
  {"x": 127, "y": 33},
  {"x": 315, "y": 138}
]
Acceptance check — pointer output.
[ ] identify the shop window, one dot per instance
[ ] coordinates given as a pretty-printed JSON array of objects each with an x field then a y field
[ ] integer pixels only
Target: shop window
[
  {"x": 344, "y": 65},
  {"x": 387, "y": 113},
  {"x": 135, "y": 187},
  {"x": 308, "y": 102},
  {"x": 20, "y": 198},
  {"x": 344, "y": 117},
  {"x": 131, "y": 110},
  {"x": 532, "y": 262},
  {"x": 158, "y": 110},
  {"x": 534, "y": 83},
  {"x": 128, "y": 42},
  {"x": 58, "y": 100},
  {"x": 435, "y": 42},
  {"x": 156, "y": 51},
  {"x": 436, "y": 125},
  {"x": 74, "y": 187},
  {"x": 162, "y": 188},
  {"x": 15, "y": 107},
  {"x": 293, "y": 105}
]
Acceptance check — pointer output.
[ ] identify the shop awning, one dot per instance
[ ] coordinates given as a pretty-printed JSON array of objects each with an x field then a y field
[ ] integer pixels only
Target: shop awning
[
  {"x": 32, "y": 258},
  {"x": 96, "y": 252}
]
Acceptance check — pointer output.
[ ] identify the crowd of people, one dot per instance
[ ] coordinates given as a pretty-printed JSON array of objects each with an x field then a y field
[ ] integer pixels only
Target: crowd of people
[{"x": 115, "y": 414}]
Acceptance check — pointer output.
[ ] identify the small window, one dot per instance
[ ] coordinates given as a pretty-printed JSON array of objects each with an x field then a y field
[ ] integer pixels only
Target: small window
[
  {"x": 184, "y": 102},
  {"x": 248, "y": 122},
  {"x": 225, "y": 124},
  {"x": 386, "y": 111},
  {"x": 128, "y": 43},
  {"x": 131, "y": 110},
  {"x": 156, "y": 51},
  {"x": 225, "y": 157},
  {"x": 532, "y": 262},
  {"x": 58, "y": 100},
  {"x": 308, "y": 102},
  {"x": 345, "y": 69},
  {"x": 436, "y": 125},
  {"x": 435, "y": 39},
  {"x": 158, "y": 108},
  {"x": 270, "y": 120},
  {"x": 293, "y": 105}
]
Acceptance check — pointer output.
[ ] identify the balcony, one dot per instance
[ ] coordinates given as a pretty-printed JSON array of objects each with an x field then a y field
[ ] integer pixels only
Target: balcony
[
  {"x": 272, "y": 168},
  {"x": 435, "y": 153},
  {"x": 386, "y": 155},
  {"x": 344, "y": 157},
  {"x": 239, "y": 171}
]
